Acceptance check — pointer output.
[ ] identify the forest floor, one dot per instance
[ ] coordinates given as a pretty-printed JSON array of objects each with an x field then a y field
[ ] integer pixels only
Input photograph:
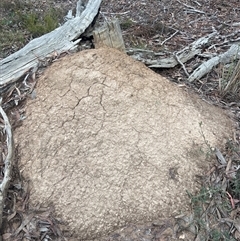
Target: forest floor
[{"x": 164, "y": 27}]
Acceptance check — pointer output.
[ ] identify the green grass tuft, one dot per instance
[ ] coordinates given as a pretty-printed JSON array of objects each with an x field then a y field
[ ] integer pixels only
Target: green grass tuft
[{"x": 38, "y": 25}]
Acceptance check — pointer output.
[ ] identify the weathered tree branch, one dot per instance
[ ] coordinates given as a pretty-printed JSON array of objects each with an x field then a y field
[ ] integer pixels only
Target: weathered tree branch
[
  {"x": 8, "y": 162},
  {"x": 183, "y": 55},
  {"x": 207, "y": 66},
  {"x": 62, "y": 39}
]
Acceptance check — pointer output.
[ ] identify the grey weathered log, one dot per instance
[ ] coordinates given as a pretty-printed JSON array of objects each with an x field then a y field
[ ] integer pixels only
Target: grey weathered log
[
  {"x": 62, "y": 39},
  {"x": 109, "y": 35},
  {"x": 183, "y": 55},
  {"x": 206, "y": 67},
  {"x": 8, "y": 162}
]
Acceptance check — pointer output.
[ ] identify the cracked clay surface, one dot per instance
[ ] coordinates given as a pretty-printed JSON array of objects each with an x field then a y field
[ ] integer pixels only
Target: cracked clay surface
[{"x": 110, "y": 142}]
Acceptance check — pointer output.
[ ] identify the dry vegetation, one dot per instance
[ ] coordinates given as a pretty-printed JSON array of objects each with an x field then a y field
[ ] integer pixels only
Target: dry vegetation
[{"x": 163, "y": 26}]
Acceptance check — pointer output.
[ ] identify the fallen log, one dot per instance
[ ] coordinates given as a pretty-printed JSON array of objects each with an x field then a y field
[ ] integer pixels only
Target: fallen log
[
  {"x": 153, "y": 61},
  {"x": 47, "y": 47},
  {"x": 206, "y": 67}
]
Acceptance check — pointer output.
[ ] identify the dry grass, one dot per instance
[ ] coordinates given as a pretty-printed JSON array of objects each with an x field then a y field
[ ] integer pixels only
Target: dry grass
[{"x": 229, "y": 83}]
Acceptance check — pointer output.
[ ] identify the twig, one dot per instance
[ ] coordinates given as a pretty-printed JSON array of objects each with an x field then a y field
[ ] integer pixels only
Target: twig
[
  {"x": 195, "y": 11},
  {"x": 235, "y": 40},
  {"x": 180, "y": 62},
  {"x": 26, "y": 220},
  {"x": 115, "y": 13},
  {"x": 197, "y": 3},
  {"x": 218, "y": 45},
  {"x": 230, "y": 35},
  {"x": 231, "y": 200},
  {"x": 225, "y": 43},
  {"x": 197, "y": 20},
  {"x": 229, "y": 24},
  {"x": 191, "y": 8},
  {"x": 163, "y": 42},
  {"x": 236, "y": 24}
]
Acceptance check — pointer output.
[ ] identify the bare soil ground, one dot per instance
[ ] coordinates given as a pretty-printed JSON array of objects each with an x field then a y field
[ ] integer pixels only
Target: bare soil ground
[{"x": 145, "y": 24}]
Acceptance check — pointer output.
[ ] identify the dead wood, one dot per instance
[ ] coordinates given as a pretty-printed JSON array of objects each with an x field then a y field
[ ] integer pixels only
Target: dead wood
[
  {"x": 47, "y": 47},
  {"x": 8, "y": 162},
  {"x": 206, "y": 67},
  {"x": 109, "y": 35},
  {"x": 149, "y": 57},
  {"x": 183, "y": 55}
]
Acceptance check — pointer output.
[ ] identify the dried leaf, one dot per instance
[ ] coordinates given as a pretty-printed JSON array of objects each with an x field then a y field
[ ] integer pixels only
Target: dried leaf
[{"x": 220, "y": 157}]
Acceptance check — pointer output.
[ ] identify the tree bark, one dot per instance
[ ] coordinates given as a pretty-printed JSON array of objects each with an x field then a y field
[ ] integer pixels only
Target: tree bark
[
  {"x": 109, "y": 35},
  {"x": 183, "y": 55},
  {"x": 207, "y": 66}
]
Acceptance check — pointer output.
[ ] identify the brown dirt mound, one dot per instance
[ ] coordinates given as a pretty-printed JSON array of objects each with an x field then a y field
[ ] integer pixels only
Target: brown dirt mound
[{"x": 110, "y": 142}]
